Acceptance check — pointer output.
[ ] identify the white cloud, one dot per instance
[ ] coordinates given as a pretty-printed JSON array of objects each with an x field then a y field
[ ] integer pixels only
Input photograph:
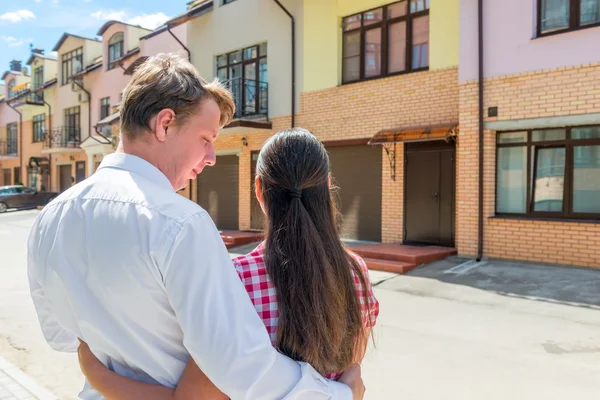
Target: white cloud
[
  {"x": 17, "y": 16},
  {"x": 11, "y": 41},
  {"x": 38, "y": 1},
  {"x": 54, "y": 1},
  {"x": 148, "y": 21}
]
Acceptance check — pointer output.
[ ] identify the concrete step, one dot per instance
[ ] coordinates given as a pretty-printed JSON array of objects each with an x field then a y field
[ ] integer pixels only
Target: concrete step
[
  {"x": 402, "y": 253},
  {"x": 397, "y": 267}
]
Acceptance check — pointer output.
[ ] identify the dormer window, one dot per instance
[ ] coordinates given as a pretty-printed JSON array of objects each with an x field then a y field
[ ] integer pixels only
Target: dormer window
[
  {"x": 11, "y": 85},
  {"x": 115, "y": 49}
]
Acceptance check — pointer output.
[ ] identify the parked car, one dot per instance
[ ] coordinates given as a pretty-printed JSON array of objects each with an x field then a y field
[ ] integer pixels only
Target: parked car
[{"x": 23, "y": 197}]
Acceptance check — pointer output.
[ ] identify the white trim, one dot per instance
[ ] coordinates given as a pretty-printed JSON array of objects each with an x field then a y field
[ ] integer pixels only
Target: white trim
[
  {"x": 228, "y": 152},
  {"x": 25, "y": 381},
  {"x": 546, "y": 122},
  {"x": 63, "y": 163}
]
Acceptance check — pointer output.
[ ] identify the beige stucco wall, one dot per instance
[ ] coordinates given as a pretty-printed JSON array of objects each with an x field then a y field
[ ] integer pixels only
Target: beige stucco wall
[
  {"x": 248, "y": 23},
  {"x": 132, "y": 36}
]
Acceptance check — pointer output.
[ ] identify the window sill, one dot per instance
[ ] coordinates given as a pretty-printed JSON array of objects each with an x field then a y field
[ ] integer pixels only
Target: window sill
[
  {"x": 412, "y": 71},
  {"x": 544, "y": 219},
  {"x": 563, "y": 31}
]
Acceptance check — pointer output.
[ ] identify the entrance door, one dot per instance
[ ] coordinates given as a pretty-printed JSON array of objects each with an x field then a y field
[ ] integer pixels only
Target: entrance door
[
  {"x": 257, "y": 218},
  {"x": 356, "y": 170},
  {"x": 218, "y": 192},
  {"x": 64, "y": 174},
  {"x": 7, "y": 175},
  {"x": 429, "y": 193},
  {"x": 79, "y": 171}
]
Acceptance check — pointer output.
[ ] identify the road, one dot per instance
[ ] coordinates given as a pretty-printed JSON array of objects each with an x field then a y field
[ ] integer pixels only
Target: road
[{"x": 497, "y": 332}]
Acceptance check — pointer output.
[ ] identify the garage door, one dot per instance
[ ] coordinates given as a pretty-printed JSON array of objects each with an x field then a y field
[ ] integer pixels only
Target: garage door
[
  {"x": 356, "y": 171},
  {"x": 218, "y": 191}
]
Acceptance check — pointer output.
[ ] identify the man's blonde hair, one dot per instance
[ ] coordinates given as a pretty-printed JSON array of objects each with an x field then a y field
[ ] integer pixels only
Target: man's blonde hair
[{"x": 168, "y": 81}]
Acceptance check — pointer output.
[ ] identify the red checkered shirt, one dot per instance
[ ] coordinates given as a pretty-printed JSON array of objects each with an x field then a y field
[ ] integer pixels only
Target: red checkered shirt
[{"x": 253, "y": 273}]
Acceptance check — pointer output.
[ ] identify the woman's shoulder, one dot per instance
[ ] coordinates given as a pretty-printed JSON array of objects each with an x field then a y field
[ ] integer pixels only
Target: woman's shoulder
[
  {"x": 361, "y": 262},
  {"x": 250, "y": 264}
]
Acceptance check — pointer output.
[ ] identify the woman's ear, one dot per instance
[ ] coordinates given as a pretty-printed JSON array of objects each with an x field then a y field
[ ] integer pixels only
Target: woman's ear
[
  {"x": 329, "y": 181},
  {"x": 258, "y": 189}
]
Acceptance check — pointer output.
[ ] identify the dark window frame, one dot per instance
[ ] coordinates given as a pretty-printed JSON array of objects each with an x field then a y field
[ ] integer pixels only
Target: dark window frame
[
  {"x": 111, "y": 46},
  {"x": 104, "y": 107},
  {"x": 38, "y": 78},
  {"x": 39, "y": 126},
  {"x": 10, "y": 86},
  {"x": 574, "y": 20},
  {"x": 225, "y": 2},
  {"x": 386, "y": 22},
  {"x": 67, "y": 60},
  {"x": 72, "y": 114},
  {"x": 12, "y": 138},
  {"x": 568, "y": 186},
  {"x": 243, "y": 63}
]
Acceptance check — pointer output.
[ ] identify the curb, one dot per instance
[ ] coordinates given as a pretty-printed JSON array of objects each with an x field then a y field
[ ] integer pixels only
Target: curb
[{"x": 25, "y": 381}]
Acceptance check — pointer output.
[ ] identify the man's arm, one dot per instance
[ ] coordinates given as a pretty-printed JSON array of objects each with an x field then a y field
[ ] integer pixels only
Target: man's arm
[
  {"x": 222, "y": 330},
  {"x": 57, "y": 337}
]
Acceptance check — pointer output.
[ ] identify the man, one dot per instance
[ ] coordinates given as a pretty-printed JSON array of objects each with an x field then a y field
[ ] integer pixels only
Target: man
[{"x": 141, "y": 274}]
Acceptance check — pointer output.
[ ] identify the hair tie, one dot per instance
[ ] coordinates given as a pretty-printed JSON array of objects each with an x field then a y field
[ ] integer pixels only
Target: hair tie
[{"x": 295, "y": 193}]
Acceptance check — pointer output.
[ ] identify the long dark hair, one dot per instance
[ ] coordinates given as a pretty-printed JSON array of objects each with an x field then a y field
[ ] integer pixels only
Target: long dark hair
[{"x": 320, "y": 318}]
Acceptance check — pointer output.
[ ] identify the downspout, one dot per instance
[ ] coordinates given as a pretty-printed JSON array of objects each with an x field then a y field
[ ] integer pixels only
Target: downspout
[
  {"x": 189, "y": 53},
  {"x": 20, "y": 139},
  {"x": 49, "y": 188},
  {"x": 293, "y": 61},
  {"x": 481, "y": 77},
  {"x": 89, "y": 108}
]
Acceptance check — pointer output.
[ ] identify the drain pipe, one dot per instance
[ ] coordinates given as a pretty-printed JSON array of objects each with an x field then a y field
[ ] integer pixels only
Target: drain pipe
[
  {"x": 89, "y": 110},
  {"x": 20, "y": 139},
  {"x": 189, "y": 53},
  {"x": 481, "y": 77},
  {"x": 293, "y": 61}
]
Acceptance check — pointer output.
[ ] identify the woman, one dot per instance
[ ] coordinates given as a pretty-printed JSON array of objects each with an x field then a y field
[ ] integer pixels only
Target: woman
[{"x": 313, "y": 295}]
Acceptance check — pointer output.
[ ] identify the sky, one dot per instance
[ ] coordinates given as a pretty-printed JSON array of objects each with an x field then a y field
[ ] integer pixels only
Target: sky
[{"x": 42, "y": 22}]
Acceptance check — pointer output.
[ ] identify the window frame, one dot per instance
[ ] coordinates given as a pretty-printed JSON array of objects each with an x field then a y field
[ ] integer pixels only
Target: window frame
[
  {"x": 112, "y": 45},
  {"x": 67, "y": 61},
  {"x": 569, "y": 144},
  {"x": 12, "y": 129},
  {"x": 384, "y": 25},
  {"x": 10, "y": 86},
  {"x": 104, "y": 107},
  {"x": 574, "y": 20},
  {"x": 39, "y": 125}
]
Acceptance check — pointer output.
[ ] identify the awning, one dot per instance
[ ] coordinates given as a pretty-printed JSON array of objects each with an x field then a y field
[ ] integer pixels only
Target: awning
[
  {"x": 197, "y": 10},
  {"x": 133, "y": 66},
  {"x": 38, "y": 162},
  {"x": 109, "y": 120},
  {"x": 419, "y": 133}
]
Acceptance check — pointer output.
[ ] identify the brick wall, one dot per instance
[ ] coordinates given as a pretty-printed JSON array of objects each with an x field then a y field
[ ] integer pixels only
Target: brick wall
[{"x": 547, "y": 93}]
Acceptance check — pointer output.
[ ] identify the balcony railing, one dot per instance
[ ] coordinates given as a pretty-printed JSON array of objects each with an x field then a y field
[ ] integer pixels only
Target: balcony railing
[
  {"x": 26, "y": 93},
  {"x": 64, "y": 137},
  {"x": 251, "y": 97},
  {"x": 9, "y": 147}
]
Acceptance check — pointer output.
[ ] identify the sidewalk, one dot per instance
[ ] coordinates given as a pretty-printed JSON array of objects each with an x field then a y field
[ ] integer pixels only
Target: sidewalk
[{"x": 16, "y": 385}]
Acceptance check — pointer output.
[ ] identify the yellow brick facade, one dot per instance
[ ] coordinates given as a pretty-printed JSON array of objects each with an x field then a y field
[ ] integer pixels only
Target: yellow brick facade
[{"x": 547, "y": 93}]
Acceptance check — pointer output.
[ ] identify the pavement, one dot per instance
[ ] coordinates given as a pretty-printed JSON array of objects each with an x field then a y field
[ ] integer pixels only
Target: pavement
[{"x": 454, "y": 329}]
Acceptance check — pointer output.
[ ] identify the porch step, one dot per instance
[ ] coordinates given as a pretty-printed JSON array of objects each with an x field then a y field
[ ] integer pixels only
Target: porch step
[
  {"x": 239, "y": 238},
  {"x": 416, "y": 255},
  {"x": 396, "y": 267}
]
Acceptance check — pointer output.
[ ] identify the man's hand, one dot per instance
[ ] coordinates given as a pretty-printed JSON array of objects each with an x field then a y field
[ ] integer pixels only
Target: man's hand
[{"x": 352, "y": 377}]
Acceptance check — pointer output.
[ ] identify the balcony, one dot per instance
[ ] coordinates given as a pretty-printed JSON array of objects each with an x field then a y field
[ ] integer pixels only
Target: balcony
[
  {"x": 9, "y": 148},
  {"x": 26, "y": 93},
  {"x": 251, "y": 106},
  {"x": 63, "y": 139}
]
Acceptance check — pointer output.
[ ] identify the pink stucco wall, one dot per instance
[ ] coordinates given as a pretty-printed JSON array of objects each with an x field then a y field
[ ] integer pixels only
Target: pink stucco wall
[
  {"x": 7, "y": 114},
  {"x": 164, "y": 42},
  {"x": 510, "y": 43}
]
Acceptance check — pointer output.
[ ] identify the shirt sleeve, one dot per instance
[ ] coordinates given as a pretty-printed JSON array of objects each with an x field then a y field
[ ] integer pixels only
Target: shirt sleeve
[
  {"x": 221, "y": 328},
  {"x": 57, "y": 337},
  {"x": 369, "y": 311}
]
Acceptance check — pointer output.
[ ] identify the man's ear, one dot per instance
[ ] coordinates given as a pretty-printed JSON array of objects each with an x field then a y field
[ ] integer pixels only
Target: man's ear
[{"x": 163, "y": 120}]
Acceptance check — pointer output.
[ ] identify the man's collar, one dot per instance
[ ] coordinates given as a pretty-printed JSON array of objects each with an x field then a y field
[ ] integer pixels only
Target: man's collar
[{"x": 136, "y": 165}]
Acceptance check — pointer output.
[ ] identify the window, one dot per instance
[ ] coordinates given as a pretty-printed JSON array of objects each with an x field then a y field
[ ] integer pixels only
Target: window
[
  {"x": 72, "y": 63},
  {"x": 556, "y": 16},
  {"x": 246, "y": 73},
  {"x": 549, "y": 173},
  {"x": 10, "y": 86},
  {"x": 39, "y": 128},
  {"x": 104, "y": 107},
  {"x": 38, "y": 78},
  {"x": 72, "y": 118},
  {"x": 12, "y": 140},
  {"x": 115, "y": 49},
  {"x": 388, "y": 40}
]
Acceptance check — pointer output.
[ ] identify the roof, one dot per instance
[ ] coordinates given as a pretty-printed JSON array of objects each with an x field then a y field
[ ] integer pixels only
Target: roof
[
  {"x": 38, "y": 55},
  {"x": 109, "y": 120},
  {"x": 10, "y": 72},
  {"x": 417, "y": 133},
  {"x": 108, "y": 24},
  {"x": 133, "y": 66},
  {"x": 194, "y": 12},
  {"x": 65, "y": 36}
]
